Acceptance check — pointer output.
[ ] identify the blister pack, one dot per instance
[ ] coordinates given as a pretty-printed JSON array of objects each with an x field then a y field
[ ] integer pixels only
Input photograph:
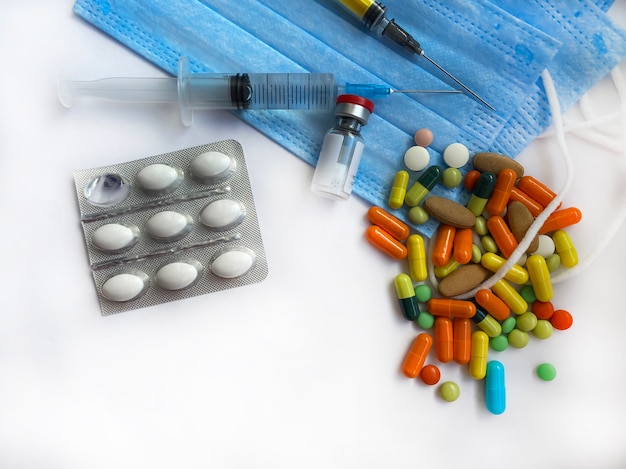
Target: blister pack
[{"x": 170, "y": 226}]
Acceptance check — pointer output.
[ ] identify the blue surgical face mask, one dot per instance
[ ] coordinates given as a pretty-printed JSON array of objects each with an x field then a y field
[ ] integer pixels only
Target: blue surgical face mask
[{"x": 484, "y": 43}]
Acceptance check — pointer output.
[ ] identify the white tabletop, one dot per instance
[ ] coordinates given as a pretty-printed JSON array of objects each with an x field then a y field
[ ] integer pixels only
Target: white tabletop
[{"x": 301, "y": 370}]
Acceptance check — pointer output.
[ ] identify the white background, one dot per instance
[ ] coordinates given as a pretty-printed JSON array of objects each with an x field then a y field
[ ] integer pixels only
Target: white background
[{"x": 301, "y": 370}]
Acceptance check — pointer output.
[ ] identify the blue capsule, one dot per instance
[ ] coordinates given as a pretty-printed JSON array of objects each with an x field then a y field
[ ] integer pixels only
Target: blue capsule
[{"x": 495, "y": 393}]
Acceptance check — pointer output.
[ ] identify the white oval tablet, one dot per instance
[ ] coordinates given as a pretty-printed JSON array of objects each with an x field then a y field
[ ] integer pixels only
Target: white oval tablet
[
  {"x": 416, "y": 158},
  {"x": 159, "y": 178},
  {"x": 169, "y": 225},
  {"x": 222, "y": 214},
  {"x": 115, "y": 237},
  {"x": 125, "y": 287},
  {"x": 212, "y": 167},
  {"x": 178, "y": 275},
  {"x": 546, "y": 246},
  {"x": 232, "y": 262},
  {"x": 456, "y": 155}
]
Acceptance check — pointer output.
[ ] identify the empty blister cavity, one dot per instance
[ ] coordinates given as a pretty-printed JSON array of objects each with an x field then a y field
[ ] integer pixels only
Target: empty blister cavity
[
  {"x": 179, "y": 275},
  {"x": 222, "y": 214},
  {"x": 107, "y": 190},
  {"x": 126, "y": 286},
  {"x": 159, "y": 179},
  {"x": 212, "y": 167},
  {"x": 232, "y": 262},
  {"x": 115, "y": 237},
  {"x": 168, "y": 226}
]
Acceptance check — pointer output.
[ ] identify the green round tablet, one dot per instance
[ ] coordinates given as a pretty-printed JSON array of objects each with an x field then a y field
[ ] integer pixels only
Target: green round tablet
[
  {"x": 508, "y": 324},
  {"x": 526, "y": 322},
  {"x": 528, "y": 293},
  {"x": 426, "y": 320},
  {"x": 546, "y": 372},
  {"x": 423, "y": 293},
  {"x": 418, "y": 215},
  {"x": 449, "y": 391},
  {"x": 543, "y": 329},
  {"x": 553, "y": 261},
  {"x": 518, "y": 339},
  {"x": 451, "y": 177},
  {"x": 499, "y": 343}
]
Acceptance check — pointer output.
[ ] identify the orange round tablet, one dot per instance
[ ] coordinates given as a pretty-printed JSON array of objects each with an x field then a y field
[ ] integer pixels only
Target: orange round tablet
[
  {"x": 430, "y": 374},
  {"x": 561, "y": 319}
]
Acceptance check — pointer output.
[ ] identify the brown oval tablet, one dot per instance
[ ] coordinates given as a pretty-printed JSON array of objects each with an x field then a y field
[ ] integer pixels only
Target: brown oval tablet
[
  {"x": 449, "y": 212},
  {"x": 463, "y": 279},
  {"x": 495, "y": 162},
  {"x": 520, "y": 219}
]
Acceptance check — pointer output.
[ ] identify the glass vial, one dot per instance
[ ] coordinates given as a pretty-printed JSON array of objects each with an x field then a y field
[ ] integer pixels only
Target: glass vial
[{"x": 342, "y": 148}]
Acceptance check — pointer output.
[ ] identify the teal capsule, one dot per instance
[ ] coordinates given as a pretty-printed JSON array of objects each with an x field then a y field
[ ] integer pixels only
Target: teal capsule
[
  {"x": 486, "y": 322},
  {"x": 495, "y": 391},
  {"x": 424, "y": 184},
  {"x": 406, "y": 297},
  {"x": 481, "y": 193}
]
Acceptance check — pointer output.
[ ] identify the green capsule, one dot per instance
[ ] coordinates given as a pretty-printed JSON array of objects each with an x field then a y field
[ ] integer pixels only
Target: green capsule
[
  {"x": 477, "y": 254},
  {"x": 480, "y": 226},
  {"x": 481, "y": 193},
  {"x": 489, "y": 244},
  {"x": 553, "y": 261},
  {"x": 406, "y": 297},
  {"x": 422, "y": 187}
]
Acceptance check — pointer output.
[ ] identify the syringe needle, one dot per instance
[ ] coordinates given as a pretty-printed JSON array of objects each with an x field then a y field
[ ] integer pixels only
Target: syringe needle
[
  {"x": 425, "y": 91},
  {"x": 457, "y": 81}
]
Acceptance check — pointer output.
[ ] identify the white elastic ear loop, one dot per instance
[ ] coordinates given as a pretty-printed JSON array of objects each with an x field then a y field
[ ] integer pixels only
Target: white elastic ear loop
[
  {"x": 557, "y": 121},
  {"x": 620, "y": 217}
]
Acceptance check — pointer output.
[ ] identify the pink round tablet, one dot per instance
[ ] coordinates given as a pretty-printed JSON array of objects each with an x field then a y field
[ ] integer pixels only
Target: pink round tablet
[{"x": 423, "y": 137}]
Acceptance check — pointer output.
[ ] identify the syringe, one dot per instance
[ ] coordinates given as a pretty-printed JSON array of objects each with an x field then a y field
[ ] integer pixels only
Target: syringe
[
  {"x": 250, "y": 91},
  {"x": 373, "y": 14}
]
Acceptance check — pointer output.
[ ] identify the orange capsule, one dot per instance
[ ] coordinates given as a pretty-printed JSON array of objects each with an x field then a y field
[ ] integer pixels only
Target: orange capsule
[
  {"x": 443, "y": 245},
  {"x": 502, "y": 235},
  {"x": 492, "y": 304},
  {"x": 385, "y": 242},
  {"x": 536, "y": 189},
  {"x": 561, "y": 219},
  {"x": 415, "y": 359},
  {"x": 443, "y": 339},
  {"x": 396, "y": 228},
  {"x": 531, "y": 204},
  {"x": 462, "y": 247},
  {"x": 462, "y": 340},
  {"x": 501, "y": 192},
  {"x": 451, "y": 308},
  {"x": 471, "y": 178}
]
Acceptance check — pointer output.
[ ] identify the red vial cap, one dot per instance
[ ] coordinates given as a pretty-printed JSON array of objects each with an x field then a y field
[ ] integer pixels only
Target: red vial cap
[{"x": 354, "y": 99}]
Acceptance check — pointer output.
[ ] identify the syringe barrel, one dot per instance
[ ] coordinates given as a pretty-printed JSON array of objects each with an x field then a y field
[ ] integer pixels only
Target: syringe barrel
[{"x": 306, "y": 91}]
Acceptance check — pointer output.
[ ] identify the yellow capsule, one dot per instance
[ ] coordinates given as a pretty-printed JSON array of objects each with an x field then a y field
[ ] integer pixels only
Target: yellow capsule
[
  {"x": 510, "y": 296},
  {"x": 445, "y": 270},
  {"x": 565, "y": 248},
  {"x": 398, "y": 191},
  {"x": 540, "y": 277},
  {"x": 417, "y": 258},
  {"x": 517, "y": 274},
  {"x": 478, "y": 356}
]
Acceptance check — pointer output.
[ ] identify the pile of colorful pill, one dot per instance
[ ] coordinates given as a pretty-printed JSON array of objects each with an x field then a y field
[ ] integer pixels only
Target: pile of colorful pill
[{"x": 471, "y": 243}]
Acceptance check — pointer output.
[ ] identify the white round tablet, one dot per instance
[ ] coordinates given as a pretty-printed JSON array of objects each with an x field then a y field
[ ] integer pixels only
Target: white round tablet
[
  {"x": 115, "y": 237},
  {"x": 212, "y": 167},
  {"x": 222, "y": 214},
  {"x": 126, "y": 286},
  {"x": 179, "y": 275},
  {"x": 168, "y": 226},
  {"x": 416, "y": 158},
  {"x": 456, "y": 155},
  {"x": 159, "y": 178},
  {"x": 546, "y": 246},
  {"x": 232, "y": 262}
]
